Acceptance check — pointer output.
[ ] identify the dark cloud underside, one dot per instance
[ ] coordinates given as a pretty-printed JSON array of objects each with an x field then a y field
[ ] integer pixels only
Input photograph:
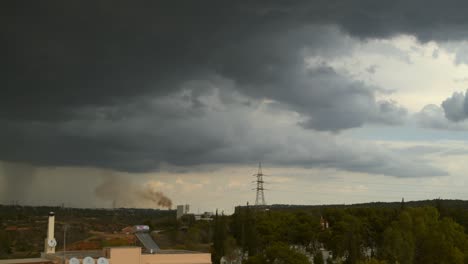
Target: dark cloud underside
[
  {"x": 61, "y": 55},
  {"x": 127, "y": 85}
]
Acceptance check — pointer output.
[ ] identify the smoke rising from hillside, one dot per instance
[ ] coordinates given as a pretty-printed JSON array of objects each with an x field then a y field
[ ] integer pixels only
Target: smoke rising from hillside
[
  {"x": 124, "y": 193},
  {"x": 148, "y": 194}
]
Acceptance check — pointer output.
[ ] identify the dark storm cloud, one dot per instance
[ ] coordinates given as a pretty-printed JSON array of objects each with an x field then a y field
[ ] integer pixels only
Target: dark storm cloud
[
  {"x": 61, "y": 55},
  {"x": 128, "y": 85},
  {"x": 216, "y": 132}
]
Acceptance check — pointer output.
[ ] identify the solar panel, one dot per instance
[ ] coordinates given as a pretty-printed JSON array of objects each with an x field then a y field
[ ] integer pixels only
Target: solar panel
[{"x": 147, "y": 242}]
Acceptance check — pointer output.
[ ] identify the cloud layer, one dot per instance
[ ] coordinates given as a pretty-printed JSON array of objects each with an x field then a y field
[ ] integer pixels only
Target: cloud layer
[
  {"x": 57, "y": 60},
  {"x": 133, "y": 86},
  {"x": 197, "y": 130}
]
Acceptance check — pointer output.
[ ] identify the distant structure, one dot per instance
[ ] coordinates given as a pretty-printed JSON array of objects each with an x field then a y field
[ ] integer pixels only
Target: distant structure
[
  {"x": 206, "y": 216},
  {"x": 260, "y": 198},
  {"x": 50, "y": 242},
  {"x": 150, "y": 253},
  {"x": 323, "y": 223},
  {"x": 182, "y": 210}
]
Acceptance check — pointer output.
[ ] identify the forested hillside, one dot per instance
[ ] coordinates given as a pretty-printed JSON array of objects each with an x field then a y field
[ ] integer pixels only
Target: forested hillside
[
  {"x": 415, "y": 232},
  {"x": 432, "y": 231}
]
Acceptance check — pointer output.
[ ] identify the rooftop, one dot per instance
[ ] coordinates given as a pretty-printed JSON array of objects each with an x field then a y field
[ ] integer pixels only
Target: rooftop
[
  {"x": 100, "y": 253},
  {"x": 29, "y": 261},
  {"x": 79, "y": 254},
  {"x": 177, "y": 251}
]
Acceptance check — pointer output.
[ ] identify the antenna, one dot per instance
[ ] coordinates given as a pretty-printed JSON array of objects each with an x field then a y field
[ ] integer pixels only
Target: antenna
[{"x": 260, "y": 198}]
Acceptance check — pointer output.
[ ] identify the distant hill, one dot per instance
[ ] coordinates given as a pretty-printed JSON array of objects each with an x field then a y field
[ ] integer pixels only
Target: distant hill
[{"x": 453, "y": 204}]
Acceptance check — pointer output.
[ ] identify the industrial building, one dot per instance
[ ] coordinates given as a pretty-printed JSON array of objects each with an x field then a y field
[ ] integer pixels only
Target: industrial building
[
  {"x": 149, "y": 253},
  {"x": 182, "y": 210}
]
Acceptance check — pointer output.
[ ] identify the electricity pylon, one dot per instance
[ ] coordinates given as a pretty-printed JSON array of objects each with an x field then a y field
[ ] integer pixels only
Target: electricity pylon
[{"x": 260, "y": 198}]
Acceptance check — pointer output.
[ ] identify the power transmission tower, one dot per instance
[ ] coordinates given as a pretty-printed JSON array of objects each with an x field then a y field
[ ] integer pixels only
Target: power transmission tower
[{"x": 260, "y": 198}]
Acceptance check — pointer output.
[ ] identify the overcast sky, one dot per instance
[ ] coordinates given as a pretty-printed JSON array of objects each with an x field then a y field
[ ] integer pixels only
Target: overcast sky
[{"x": 342, "y": 101}]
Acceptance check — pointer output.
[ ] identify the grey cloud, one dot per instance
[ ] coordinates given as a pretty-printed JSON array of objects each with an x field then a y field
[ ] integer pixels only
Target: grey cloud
[
  {"x": 433, "y": 148},
  {"x": 451, "y": 115},
  {"x": 372, "y": 69},
  {"x": 427, "y": 20},
  {"x": 389, "y": 113},
  {"x": 261, "y": 64},
  {"x": 434, "y": 117},
  {"x": 350, "y": 155},
  {"x": 167, "y": 129},
  {"x": 456, "y": 107},
  {"x": 387, "y": 50},
  {"x": 421, "y": 150},
  {"x": 128, "y": 85},
  {"x": 328, "y": 100},
  {"x": 459, "y": 48},
  {"x": 462, "y": 54},
  {"x": 226, "y": 133},
  {"x": 56, "y": 59},
  {"x": 271, "y": 66}
]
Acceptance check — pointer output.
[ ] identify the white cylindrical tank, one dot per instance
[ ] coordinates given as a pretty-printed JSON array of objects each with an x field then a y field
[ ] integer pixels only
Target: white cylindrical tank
[
  {"x": 51, "y": 227},
  {"x": 50, "y": 242}
]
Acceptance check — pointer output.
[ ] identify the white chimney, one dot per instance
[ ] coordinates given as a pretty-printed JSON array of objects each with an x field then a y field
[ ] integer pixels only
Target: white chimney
[{"x": 50, "y": 242}]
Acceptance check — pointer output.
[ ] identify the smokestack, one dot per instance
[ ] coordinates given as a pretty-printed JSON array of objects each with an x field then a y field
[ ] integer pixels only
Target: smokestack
[{"x": 50, "y": 242}]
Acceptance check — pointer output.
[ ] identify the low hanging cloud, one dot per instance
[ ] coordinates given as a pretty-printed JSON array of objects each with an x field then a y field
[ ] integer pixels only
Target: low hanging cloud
[
  {"x": 237, "y": 131},
  {"x": 126, "y": 50},
  {"x": 130, "y": 86},
  {"x": 328, "y": 100}
]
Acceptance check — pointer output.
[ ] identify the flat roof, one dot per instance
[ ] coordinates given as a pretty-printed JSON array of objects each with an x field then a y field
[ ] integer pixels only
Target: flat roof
[
  {"x": 21, "y": 261},
  {"x": 79, "y": 254},
  {"x": 100, "y": 253},
  {"x": 177, "y": 251}
]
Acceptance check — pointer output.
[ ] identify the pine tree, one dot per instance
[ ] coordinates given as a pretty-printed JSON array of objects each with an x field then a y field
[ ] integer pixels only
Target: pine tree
[{"x": 219, "y": 237}]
